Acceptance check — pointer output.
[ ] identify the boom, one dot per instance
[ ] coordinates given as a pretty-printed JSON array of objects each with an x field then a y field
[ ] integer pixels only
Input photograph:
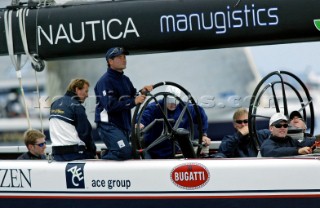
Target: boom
[{"x": 152, "y": 26}]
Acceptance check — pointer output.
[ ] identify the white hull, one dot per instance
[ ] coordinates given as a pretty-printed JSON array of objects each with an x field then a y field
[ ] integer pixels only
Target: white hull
[{"x": 257, "y": 182}]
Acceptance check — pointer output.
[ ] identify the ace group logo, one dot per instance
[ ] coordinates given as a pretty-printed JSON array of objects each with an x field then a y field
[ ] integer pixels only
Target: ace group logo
[{"x": 75, "y": 175}]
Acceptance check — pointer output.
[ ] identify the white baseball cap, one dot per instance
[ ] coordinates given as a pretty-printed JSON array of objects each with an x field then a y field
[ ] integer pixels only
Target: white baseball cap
[
  {"x": 277, "y": 117},
  {"x": 174, "y": 90}
]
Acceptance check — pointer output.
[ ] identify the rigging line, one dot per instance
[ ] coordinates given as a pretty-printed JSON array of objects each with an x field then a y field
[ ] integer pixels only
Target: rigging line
[
  {"x": 8, "y": 23},
  {"x": 39, "y": 103},
  {"x": 15, "y": 61},
  {"x": 237, "y": 4},
  {"x": 22, "y": 26}
]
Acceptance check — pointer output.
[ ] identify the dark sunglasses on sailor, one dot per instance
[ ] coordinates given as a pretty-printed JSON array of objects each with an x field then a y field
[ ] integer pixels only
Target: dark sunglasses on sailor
[
  {"x": 241, "y": 121},
  {"x": 281, "y": 125},
  {"x": 41, "y": 144}
]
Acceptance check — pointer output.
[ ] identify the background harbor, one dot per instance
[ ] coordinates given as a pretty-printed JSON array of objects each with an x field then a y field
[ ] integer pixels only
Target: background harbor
[{"x": 216, "y": 78}]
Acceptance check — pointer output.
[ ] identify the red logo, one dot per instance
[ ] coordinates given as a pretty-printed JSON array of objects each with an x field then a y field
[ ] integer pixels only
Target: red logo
[{"x": 190, "y": 176}]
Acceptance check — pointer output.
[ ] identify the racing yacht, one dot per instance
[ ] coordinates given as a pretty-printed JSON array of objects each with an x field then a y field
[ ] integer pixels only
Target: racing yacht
[{"x": 47, "y": 32}]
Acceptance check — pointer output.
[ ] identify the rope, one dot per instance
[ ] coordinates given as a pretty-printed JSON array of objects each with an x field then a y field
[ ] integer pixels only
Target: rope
[
  {"x": 22, "y": 25},
  {"x": 15, "y": 61},
  {"x": 39, "y": 103}
]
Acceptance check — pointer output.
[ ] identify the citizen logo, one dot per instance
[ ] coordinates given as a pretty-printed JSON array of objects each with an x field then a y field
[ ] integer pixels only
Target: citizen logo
[{"x": 15, "y": 178}]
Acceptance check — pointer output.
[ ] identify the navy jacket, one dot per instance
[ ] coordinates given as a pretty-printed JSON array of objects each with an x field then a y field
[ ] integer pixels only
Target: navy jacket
[
  {"x": 29, "y": 156},
  {"x": 115, "y": 97},
  {"x": 152, "y": 112},
  {"x": 69, "y": 109},
  {"x": 308, "y": 140},
  {"x": 236, "y": 145},
  {"x": 279, "y": 147}
]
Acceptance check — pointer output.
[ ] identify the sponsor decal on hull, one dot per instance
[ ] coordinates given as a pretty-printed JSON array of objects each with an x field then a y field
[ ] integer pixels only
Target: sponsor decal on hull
[
  {"x": 190, "y": 176},
  {"x": 15, "y": 178},
  {"x": 75, "y": 176}
]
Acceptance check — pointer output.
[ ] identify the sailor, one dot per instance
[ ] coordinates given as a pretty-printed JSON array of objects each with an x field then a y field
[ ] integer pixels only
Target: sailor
[
  {"x": 297, "y": 120},
  {"x": 280, "y": 144},
  {"x": 115, "y": 97},
  {"x": 70, "y": 129},
  {"x": 240, "y": 144},
  {"x": 297, "y": 129},
  {"x": 36, "y": 145},
  {"x": 164, "y": 150}
]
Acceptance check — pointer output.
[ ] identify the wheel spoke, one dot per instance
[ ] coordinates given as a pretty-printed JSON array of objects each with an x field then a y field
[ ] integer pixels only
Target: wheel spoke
[
  {"x": 158, "y": 141},
  {"x": 180, "y": 117}
]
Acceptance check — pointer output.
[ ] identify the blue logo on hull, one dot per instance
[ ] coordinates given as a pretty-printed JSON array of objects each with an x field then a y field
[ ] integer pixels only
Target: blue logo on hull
[{"x": 75, "y": 175}]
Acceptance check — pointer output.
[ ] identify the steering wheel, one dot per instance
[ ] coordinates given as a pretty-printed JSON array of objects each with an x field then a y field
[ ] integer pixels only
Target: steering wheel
[
  {"x": 279, "y": 92},
  {"x": 171, "y": 129}
]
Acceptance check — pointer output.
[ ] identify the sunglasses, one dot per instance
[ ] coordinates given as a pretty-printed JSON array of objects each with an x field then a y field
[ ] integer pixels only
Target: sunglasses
[
  {"x": 41, "y": 144},
  {"x": 281, "y": 125},
  {"x": 241, "y": 121}
]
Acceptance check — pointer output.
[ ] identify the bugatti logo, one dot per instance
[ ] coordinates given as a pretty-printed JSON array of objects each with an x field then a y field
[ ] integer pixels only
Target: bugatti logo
[
  {"x": 190, "y": 176},
  {"x": 75, "y": 175}
]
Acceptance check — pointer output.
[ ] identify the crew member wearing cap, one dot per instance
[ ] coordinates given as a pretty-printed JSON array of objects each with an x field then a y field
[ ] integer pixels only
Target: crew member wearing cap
[
  {"x": 280, "y": 144},
  {"x": 298, "y": 123},
  {"x": 164, "y": 150},
  {"x": 115, "y": 97}
]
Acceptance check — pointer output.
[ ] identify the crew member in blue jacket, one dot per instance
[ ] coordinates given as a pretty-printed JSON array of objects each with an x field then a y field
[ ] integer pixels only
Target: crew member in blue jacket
[
  {"x": 280, "y": 144},
  {"x": 70, "y": 129},
  {"x": 115, "y": 97},
  {"x": 298, "y": 124},
  {"x": 240, "y": 144},
  {"x": 165, "y": 149}
]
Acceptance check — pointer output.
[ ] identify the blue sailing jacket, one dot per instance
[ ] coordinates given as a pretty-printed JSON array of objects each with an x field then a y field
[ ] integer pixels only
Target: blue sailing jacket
[
  {"x": 69, "y": 109},
  {"x": 237, "y": 145},
  {"x": 115, "y": 97},
  {"x": 279, "y": 147},
  {"x": 152, "y": 112}
]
